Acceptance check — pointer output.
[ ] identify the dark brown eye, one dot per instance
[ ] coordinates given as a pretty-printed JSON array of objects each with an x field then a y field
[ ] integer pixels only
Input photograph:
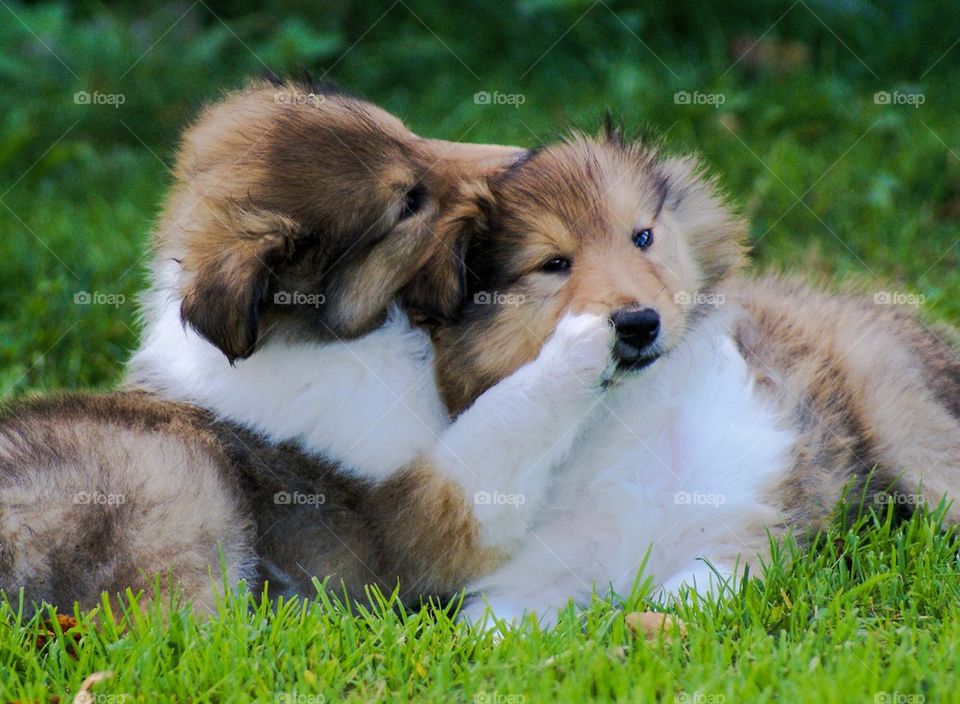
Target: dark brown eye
[
  {"x": 557, "y": 264},
  {"x": 413, "y": 201},
  {"x": 643, "y": 238}
]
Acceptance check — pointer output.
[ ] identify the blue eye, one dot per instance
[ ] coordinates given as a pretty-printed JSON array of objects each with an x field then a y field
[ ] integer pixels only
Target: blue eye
[{"x": 643, "y": 238}]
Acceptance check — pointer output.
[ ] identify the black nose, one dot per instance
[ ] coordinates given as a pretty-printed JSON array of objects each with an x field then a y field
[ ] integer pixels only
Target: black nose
[{"x": 637, "y": 328}]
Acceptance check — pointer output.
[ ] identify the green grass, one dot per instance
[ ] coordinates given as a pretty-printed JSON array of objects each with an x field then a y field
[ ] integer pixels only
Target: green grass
[
  {"x": 835, "y": 185},
  {"x": 870, "y": 613}
]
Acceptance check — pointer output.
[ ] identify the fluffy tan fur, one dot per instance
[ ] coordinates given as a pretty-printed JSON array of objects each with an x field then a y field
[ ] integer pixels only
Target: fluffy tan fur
[
  {"x": 580, "y": 200},
  {"x": 871, "y": 387},
  {"x": 289, "y": 188},
  {"x": 872, "y": 392},
  {"x": 277, "y": 188}
]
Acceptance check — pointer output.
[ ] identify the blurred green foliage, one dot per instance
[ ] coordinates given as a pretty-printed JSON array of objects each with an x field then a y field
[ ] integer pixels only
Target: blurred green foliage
[{"x": 834, "y": 182}]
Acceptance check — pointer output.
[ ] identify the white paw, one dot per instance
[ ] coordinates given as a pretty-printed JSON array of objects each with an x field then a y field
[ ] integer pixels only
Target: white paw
[
  {"x": 580, "y": 349},
  {"x": 492, "y": 614}
]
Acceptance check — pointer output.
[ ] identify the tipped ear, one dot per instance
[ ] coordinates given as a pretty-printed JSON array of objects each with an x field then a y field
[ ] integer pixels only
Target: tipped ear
[
  {"x": 613, "y": 130},
  {"x": 436, "y": 292},
  {"x": 715, "y": 230},
  {"x": 231, "y": 263}
]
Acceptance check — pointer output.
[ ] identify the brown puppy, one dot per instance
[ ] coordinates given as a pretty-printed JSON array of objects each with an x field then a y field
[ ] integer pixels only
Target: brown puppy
[
  {"x": 296, "y": 188},
  {"x": 281, "y": 191},
  {"x": 557, "y": 208},
  {"x": 729, "y": 408}
]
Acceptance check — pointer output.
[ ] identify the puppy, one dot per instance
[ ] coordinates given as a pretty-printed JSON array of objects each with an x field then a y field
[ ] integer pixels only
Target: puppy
[
  {"x": 257, "y": 431},
  {"x": 709, "y": 409},
  {"x": 359, "y": 196},
  {"x": 298, "y": 216}
]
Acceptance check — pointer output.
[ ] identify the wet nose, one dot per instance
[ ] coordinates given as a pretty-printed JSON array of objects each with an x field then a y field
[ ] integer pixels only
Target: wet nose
[{"x": 637, "y": 328}]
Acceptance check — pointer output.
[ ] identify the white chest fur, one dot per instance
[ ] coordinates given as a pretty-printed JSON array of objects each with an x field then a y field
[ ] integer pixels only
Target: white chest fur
[
  {"x": 679, "y": 459},
  {"x": 370, "y": 403},
  {"x": 685, "y": 459}
]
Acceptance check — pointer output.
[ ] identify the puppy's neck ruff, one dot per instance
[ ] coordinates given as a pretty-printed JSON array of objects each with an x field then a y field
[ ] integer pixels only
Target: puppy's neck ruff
[
  {"x": 369, "y": 403},
  {"x": 680, "y": 458}
]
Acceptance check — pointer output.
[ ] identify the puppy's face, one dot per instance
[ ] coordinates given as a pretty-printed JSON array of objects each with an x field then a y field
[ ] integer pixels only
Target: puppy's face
[
  {"x": 303, "y": 214},
  {"x": 586, "y": 226}
]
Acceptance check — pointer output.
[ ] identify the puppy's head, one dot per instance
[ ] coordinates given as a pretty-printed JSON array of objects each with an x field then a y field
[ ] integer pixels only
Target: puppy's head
[
  {"x": 302, "y": 212},
  {"x": 589, "y": 225}
]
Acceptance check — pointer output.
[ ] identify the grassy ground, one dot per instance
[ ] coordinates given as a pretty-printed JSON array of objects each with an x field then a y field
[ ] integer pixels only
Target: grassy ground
[
  {"x": 870, "y": 616},
  {"x": 838, "y": 183}
]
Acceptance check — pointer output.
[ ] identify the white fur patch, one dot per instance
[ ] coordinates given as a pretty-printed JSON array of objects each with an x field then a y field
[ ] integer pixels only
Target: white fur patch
[
  {"x": 370, "y": 404},
  {"x": 502, "y": 450},
  {"x": 676, "y": 460}
]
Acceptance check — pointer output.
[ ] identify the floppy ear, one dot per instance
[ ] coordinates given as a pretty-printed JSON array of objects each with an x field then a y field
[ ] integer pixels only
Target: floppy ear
[
  {"x": 436, "y": 292},
  {"x": 230, "y": 262}
]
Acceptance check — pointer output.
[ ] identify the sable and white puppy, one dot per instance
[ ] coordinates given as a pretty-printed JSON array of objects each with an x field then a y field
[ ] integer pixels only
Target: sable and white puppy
[
  {"x": 697, "y": 427},
  {"x": 264, "y": 425},
  {"x": 337, "y": 201},
  {"x": 297, "y": 216}
]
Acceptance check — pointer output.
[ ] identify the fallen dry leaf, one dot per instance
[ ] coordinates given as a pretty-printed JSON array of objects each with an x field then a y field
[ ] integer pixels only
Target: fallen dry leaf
[{"x": 68, "y": 627}]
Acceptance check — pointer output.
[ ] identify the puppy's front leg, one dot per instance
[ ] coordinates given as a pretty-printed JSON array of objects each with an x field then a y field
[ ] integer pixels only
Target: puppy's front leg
[
  {"x": 465, "y": 506},
  {"x": 502, "y": 449}
]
